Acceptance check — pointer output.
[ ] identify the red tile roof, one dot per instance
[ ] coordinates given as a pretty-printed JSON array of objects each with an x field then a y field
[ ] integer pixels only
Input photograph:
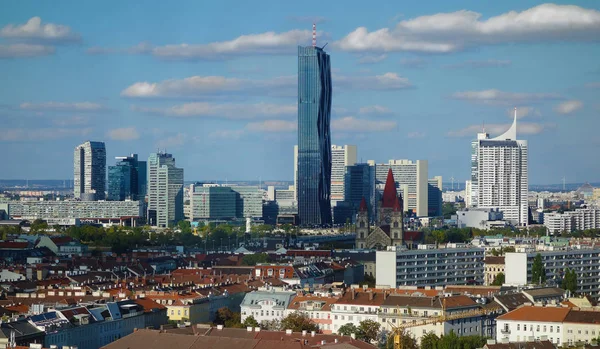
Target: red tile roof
[{"x": 530, "y": 313}]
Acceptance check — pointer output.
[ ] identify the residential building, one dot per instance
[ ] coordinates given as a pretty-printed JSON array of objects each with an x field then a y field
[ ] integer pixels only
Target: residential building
[
  {"x": 584, "y": 261},
  {"x": 23, "y": 331},
  {"x": 529, "y": 323},
  {"x": 499, "y": 177},
  {"x": 266, "y": 305},
  {"x": 411, "y": 180},
  {"x": 434, "y": 196},
  {"x": 127, "y": 179},
  {"x": 341, "y": 157},
  {"x": 314, "y": 138},
  {"x": 541, "y": 344},
  {"x": 72, "y": 212},
  {"x": 317, "y": 308},
  {"x": 165, "y": 191},
  {"x": 457, "y": 264},
  {"x": 468, "y": 195},
  {"x": 356, "y": 306},
  {"x": 89, "y": 162},
  {"x": 569, "y": 221},
  {"x": 494, "y": 265}
]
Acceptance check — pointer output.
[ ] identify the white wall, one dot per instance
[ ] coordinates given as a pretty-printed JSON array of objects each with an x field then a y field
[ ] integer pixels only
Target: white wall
[
  {"x": 385, "y": 267},
  {"x": 515, "y": 268}
]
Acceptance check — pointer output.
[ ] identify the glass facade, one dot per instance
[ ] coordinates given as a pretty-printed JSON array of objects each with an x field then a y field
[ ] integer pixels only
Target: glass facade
[
  {"x": 314, "y": 139},
  {"x": 89, "y": 164},
  {"x": 127, "y": 180},
  {"x": 360, "y": 183}
]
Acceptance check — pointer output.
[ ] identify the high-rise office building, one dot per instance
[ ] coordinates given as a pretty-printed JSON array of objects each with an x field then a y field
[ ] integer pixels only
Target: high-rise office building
[
  {"x": 165, "y": 190},
  {"x": 359, "y": 183},
  {"x": 127, "y": 179},
  {"x": 314, "y": 139},
  {"x": 434, "y": 196},
  {"x": 90, "y": 171},
  {"x": 341, "y": 157},
  {"x": 499, "y": 176},
  {"x": 411, "y": 180}
]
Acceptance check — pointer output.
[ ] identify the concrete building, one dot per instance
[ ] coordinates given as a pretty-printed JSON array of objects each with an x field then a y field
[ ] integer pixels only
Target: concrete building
[
  {"x": 457, "y": 264},
  {"x": 580, "y": 219},
  {"x": 72, "y": 212},
  {"x": 341, "y": 157},
  {"x": 248, "y": 201},
  {"x": 434, "y": 196},
  {"x": 211, "y": 201},
  {"x": 584, "y": 261},
  {"x": 165, "y": 190},
  {"x": 480, "y": 218},
  {"x": 266, "y": 305},
  {"x": 89, "y": 162},
  {"x": 411, "y": 180},
  {"x": 468, "y": 191},
  {"x": 499, "y": 177}
]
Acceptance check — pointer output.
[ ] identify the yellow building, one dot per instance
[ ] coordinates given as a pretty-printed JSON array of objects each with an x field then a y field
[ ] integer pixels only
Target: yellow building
[{"x": 493, "y": 266}]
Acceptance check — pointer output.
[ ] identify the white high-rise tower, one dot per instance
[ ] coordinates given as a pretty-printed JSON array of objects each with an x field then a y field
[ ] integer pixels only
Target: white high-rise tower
[
  {"x": 341, "y": 156},
  {"x": 499, "y": 177},
  {"x": 165, "y": 190}
]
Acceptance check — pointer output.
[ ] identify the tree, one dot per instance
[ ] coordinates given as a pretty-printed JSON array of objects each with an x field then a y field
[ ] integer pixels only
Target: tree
[
  {"x": 368, "y": 330},
  {"x": 538, "y": 273},
  {"x": 569, "y": 282},
  {"x": 498, "y": 280},
  {"x": 222, "y": 315},
  {"x": 184, "y": 226},
  {"x": 348, "y": 329},
  {"x": 407, "y": 341},
  {"x": 298, "y": 322},
  {"x": 255, "y": 258},
  {"x": 429, "y": 341},
  {"x": 369, "y": 280},
  {"x": 250, "y": 322}
]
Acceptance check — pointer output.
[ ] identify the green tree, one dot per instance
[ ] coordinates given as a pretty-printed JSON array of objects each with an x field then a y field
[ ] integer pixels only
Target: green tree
[
  {"x": 538, "y": 273},
  {"x": 407, "y": 341},
  {"x": 569, "y": 282},
  {"x": 369, "y": 281},
  {"x": 250, "y": 321},
  {"x": 348, "y": 329},
  {"x": 498, "y": 280},
  {"x": 184, "y": 226},
  {"x": 255, "y": 258},
  {"x": 298, "y": 322},
  {"x": 448, "y": 209},
  {"x": 429, "y": 341},
  {"x": 368, "y": 330}
]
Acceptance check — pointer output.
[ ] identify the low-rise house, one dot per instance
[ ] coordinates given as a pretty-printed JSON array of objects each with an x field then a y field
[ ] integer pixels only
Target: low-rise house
[
  {"x": 529, "y": 322},
  {"x": 545, "y": 295},
  {"x": 494, "y": 265},
  {"x": 318, "y": 309},
  {"x": 266, "y": 305},
  {"x": 356, "y": 305}
]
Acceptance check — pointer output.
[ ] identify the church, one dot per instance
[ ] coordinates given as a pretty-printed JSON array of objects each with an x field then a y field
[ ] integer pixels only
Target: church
[{"x": 389, "y": 227}]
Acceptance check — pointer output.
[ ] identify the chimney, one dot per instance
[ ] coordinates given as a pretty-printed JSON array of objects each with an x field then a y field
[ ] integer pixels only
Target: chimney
[
  {"x": 256, "y": 329},
  {"x": 335, "y": 340},
  {"x": 353, "y": 294},
  {"x": 323, "y": 342},
  {"x": 288, "y": 332},
  {"x": 219, "y": 327},
  {"x": 249, "y": 328},
  {"x": 371, "y": 295},
  {"x": 312, "y": 333},
  {"x": 304, "y": 332},
  {"x": 353, "y": 335}
]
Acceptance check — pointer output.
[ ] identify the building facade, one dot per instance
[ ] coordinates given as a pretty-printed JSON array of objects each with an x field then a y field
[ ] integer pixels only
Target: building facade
[
  {"x": 248, "y": 201},
  {"x": 127, "y": 179},
  {"x": 89, "y": 164},
  {"x": 580, "y": 219},
  {"x": 165, "y": 191},
  {"x": 341, "y": 157},
  {"x": 266, "y": 305},
  {"x": 434, "y": 196},
  {"x": 494, "y": 265},
  {"x": 212, "y": 202},
  {"x": 499, "y": 175},
  {"x": 314, "y": 139}
]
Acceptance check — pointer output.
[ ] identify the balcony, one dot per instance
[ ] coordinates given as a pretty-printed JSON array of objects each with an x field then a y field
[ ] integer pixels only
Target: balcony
[{"x": 505, "y": 331}]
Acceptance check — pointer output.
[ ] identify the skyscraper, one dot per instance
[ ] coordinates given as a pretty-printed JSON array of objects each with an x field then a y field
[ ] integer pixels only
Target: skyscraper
[
  {"x": 90, "y": 171},
  {"x": 127, "y": 179},
  {"x": 314, "y": 139},
  {"x": 165, "y": 190},
  {"x": 499, "y": 177},
  {"x": 434, "y": 196},
  {"x": 341, "y": 157}
]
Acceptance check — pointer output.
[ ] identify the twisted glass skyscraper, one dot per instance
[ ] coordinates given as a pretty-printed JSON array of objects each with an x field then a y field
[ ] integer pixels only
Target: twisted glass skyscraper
[{"x": 314, "y": 139}]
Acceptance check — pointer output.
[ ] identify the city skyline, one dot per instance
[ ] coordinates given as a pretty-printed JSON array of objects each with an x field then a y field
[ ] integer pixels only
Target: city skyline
[{"x": 405, "y": 86}]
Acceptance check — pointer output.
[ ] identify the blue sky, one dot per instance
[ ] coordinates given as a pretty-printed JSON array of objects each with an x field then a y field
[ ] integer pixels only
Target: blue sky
[{"x": 214, "y": 83}]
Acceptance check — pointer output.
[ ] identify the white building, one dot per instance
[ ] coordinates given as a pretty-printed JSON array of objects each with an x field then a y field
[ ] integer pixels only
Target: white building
[
  {"x": 165, "y": 190},
  {"x": 584, "y": 261},
  {"x": 481, "y": 218},
  {"x": 412, "y": 181},
  {"x": 89, "y": 164},
  {"x": 341, "y": 156},
  {"x": 356, "y": 306},
  {"x": 580, "y": 219},
  {"x": 528, "y": 322},
  {"x": 266, "y": 305},
  {"x": 499, "y": 176},
  {"x": 456, "y": 264}
]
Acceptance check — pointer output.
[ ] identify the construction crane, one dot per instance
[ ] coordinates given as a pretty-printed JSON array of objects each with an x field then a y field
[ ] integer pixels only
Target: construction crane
[{"x": 398, "y": 330}]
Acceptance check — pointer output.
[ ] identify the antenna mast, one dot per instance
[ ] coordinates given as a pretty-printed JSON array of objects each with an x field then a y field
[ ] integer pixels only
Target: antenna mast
[{"x": 314, "y": 35}]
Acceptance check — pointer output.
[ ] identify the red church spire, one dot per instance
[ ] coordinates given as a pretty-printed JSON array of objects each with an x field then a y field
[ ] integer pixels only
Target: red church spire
[
  {"x": 390, "y": 195},
  {"x": 363, "y": 205}
]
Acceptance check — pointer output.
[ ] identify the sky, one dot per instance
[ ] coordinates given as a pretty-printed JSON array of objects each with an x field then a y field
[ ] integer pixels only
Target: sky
[{"x": 215, "y": 83}]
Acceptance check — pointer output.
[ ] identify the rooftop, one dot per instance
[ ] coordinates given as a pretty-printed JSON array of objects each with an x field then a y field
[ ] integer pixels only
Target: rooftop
[{"x": 530, "y": 313}]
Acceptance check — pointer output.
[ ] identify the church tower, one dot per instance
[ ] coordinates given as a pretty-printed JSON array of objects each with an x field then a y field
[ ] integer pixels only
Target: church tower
[
  {"x": 362, "y": 224},
  {"x": 391, "y": 212}
]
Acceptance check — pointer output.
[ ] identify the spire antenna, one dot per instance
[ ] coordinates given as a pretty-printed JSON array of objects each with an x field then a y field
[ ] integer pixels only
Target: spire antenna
[
  {"x": 314, "y": 36},
  {"x": 515, "y": 113}
]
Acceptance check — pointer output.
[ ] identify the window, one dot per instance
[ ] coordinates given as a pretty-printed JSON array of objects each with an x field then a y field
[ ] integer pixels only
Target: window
[
  {"x": 544, "y": 328},
  {"x": 524, "y": 327},
  {"x": 518, "y": 327},
  {"x": 557, "y": 329},
  {"x": 538, "y": 328},
  {"x": 178, "y": 312},
  {"x": 395, "y": 224},
  {"x": 362, "y": 225}
]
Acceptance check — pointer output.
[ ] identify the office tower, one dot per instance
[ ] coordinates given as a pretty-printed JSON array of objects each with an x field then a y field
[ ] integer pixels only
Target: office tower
[
  {"x": 210, "y": 201},
  {"x": 314, "y": 139},
  {"x": 248, "y": 201},
  {"x": 411, "y": 180},
  {"x": 295, "y": 173},
  {"x": 341, "y": 156},
  {"x": 359, "y": 183},
  {"x": 90, "y": 171},
  {"x": 165, "y": 190},
  {"x": 434, "y": 196},
  {"x": 499, "y": 174},
  {"x": 127, "y": 179}
]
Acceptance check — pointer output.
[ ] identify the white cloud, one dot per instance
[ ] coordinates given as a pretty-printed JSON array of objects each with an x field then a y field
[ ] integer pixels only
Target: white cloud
[
  {"x": 374, "y": 109},
  {"x": 34, "y": 30},
  {"x": 372, "y": 59},
  {"x": 41, "y": 134},
  {"x": 455, "y": 31},
  {"x": 226, "y": 134},
  {"x": 387, "y": 81},
  {"x": 226, "y": 111},
  {"x": 480, "y": 64},
  {"x": 416, "y": 134},
  {"x": 272, "y": 126},
  {"x": 123, "y": 134},
  {"x": 24, "y": 50},
  {"x": 568, "y": 107},
  {"x": 414, "y": 62},
  {"x": 494, "y": 96},
  {"x": 174, "y": 141},
  {"x": 523, "y": 128},
  {"x": 64, "y": 107},
  {"x": 353, "y": 124},
  {"x": 198, "y": 86}
]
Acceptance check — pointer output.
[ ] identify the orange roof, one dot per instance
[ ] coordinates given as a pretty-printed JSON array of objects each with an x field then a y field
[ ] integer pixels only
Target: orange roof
[
  {"x": 149, "y": 304},
  {"x": 20, "y": 308},
  {"x": 530, "y": 313},
  {"x": 458, "y": 301}
]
